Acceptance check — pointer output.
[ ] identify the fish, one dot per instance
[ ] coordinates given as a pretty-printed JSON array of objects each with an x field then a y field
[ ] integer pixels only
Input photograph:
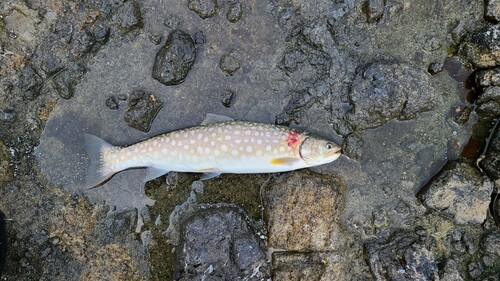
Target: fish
[{"x": 219, "y": 145}]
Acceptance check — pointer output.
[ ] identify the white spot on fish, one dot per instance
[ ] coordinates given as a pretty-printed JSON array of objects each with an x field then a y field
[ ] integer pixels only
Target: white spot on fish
[
  {"x": 205, "y": 139},
  {"x": 248, "y": 132},
  {"x": 192, "y": 141},
  {"x": 199, "y": 149},
  {"x": 282, "y": 149},
  {"x": 235, "y": 152},
  {"x": 186, "y": 146},
  {"x": 256, "y": 134},
  {"x": 173, "y": 142},
  {"x": 268, "y": 134},
  {"x": 237, "y": 132},
  {"x": 249, "y": 148},
  {"x": 268, "y": 148},
  {"x": 212, "y": 143},
  {"x": 237, "y": 141},
  {"x": 213, "y": 135},
  {"x": 200, "y": 136},
  {"x": 216, "y": 152},
  {"x": 275, "y": 141},
  {"x": 228, "y": 137},
  {"x": 259, "y": 141},
  {"x": 207, "y": 150},
  {"x": 258, "y": 152},
  {"x": 223, "y": 147}
]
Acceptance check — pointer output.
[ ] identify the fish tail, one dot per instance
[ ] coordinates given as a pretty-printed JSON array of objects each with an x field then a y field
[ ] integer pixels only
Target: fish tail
[{"x": 99, "y": 169}]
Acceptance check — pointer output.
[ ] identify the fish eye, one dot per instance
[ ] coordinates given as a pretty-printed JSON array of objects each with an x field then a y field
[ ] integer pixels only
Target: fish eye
[{"x": 329, "y": 145}]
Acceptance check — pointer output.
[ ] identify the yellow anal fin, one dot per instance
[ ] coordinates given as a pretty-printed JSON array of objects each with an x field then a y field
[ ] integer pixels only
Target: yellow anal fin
[{"x": 288, "y": 161}]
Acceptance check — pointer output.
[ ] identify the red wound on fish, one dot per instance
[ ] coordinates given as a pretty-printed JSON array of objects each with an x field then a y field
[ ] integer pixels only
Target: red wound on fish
[{"x": 293, "y": 137}]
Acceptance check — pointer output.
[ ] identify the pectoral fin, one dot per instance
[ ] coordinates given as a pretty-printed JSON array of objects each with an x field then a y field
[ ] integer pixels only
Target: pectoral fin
[
  {"x": 287, "y": 161},
  {"x": 153, "y": 173},
  {"x": 207, "y": 176}
]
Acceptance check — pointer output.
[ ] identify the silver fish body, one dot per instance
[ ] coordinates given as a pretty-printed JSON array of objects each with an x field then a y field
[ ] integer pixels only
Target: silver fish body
[{"x": 212, "y": 149}]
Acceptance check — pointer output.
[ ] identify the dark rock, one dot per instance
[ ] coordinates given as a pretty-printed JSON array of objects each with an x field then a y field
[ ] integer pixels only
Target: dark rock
[
  {"x": 119, "y": 223},
  {"x": 171, "y": 22},
  {"x": 218, "y": 244},
  {"x": 141, "y": 110},
  {"x": 234, "y": 12},
  {"x": 460, "y": 192},
  {"x": 451, "y": 272},
  {"x": 51, "y": 64},
  {"x": 475, "y": 269},
  {"x": 489, "y": 77},
  {"x": 374, "y": 10},
  {"x": 401, "y": 257},
  {"x": 30, "y": 83},
  {"x": 482, "y": 47},
  {"x": 353, "y": 146},
  {"x": 203, "y": 8},
  {"x": 100, "y": 31},
  {"x": 489, "y": 103},
  {"x": 200, "y": 38},
  {"x": 128, "y": 17},
  {"x": 175, "y": 59},
  {"x": 298, "y": 103},
  {"x": 5, "y": 167},
  {"x": 155, "y": 39},
  {"x": 226, "y": 97},
  {"x": 63, "y": 31},
  {"x": 84, "y": 44},
  {"x": 435, "y": 68},
  {"x": 229, "y": 64},
  {"x": 492, "y": 10},
  {"x": 381, "y": 92},
  {"x": 491, "y": 244},
  {"x": 64, "y": 83},
  {"x": 111, "y": 103},
  {"x": 432, "y": 44},
  {"x": 491, "y": 162}
]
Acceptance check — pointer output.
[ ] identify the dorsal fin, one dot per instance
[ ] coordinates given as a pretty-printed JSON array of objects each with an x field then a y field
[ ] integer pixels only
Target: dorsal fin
[{"x": 211, "y": 118}]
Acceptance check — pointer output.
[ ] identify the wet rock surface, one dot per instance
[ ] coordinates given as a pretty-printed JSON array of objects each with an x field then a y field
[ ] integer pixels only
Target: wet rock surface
[
  {"x": 491, "y": 162},
  {"x": 381, "y": 92},
  {"x": 175, "y": 58},
  {"x": 482, "y": 48},
  {"x": 141, "y": 110},
  {"x": 460, "y": 192},
  {"x": 234, "y": 12},
  {"x": 402, "y": 257},
  {"x": 204, "y": 8},
  {"x": 302, "y": 64},
  {"x": 238, "y": 253}
]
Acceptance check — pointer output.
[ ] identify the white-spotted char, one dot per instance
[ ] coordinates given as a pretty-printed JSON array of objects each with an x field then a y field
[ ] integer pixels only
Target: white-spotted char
[{"x": 212, "y": 148}]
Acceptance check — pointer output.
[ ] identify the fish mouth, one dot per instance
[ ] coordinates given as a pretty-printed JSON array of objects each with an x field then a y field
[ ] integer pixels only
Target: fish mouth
[{"x": 335, "y": 152}]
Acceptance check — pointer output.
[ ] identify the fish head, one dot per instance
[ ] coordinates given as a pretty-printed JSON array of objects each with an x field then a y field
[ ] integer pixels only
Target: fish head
[{"x": 315, "y": 151}]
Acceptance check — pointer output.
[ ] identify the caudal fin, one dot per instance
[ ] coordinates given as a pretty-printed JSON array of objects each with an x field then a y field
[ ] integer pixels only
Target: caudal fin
[{"x": 98, "y": 171}]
